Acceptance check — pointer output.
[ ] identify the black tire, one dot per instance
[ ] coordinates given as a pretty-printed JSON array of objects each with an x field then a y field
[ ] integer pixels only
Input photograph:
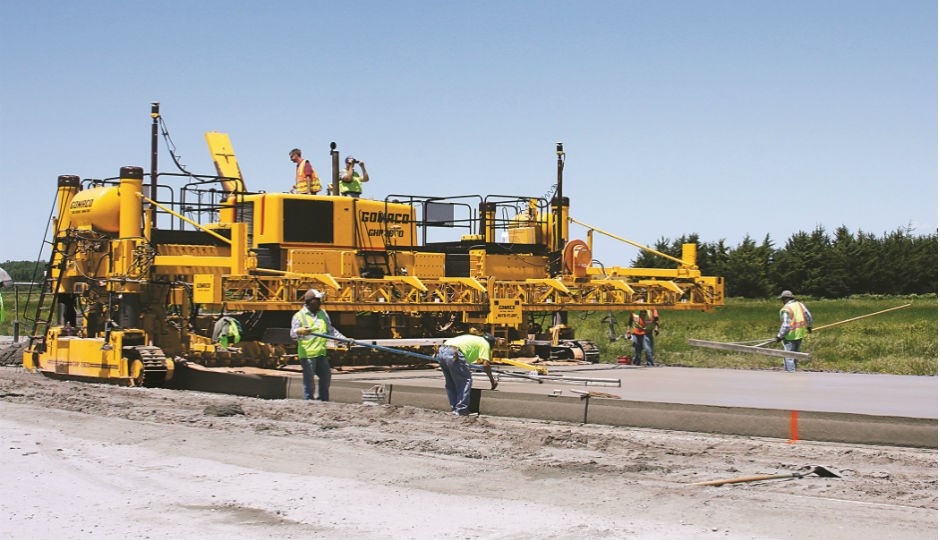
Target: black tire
[{"x": 154, "y": 365}]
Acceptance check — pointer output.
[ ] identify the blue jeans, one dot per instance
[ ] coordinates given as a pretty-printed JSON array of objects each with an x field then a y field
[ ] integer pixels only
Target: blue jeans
[
  {"x": 321, "y": 367},
  {"x": 643, "y": 343},
  {"x": 457, "y": 379},
  {"x": 789, "y": 364}
]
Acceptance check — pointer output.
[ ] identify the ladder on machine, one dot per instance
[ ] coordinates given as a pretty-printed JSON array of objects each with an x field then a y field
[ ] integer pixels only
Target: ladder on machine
[
  {"x": 375, "y": 264},
  {"x": 48, "y": 293}
]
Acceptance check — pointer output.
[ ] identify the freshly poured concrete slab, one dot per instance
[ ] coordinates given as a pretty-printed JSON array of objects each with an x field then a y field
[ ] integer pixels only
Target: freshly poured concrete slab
[
  {"x": 833, "y": 407},
  {"x": 873, "y": 394}
]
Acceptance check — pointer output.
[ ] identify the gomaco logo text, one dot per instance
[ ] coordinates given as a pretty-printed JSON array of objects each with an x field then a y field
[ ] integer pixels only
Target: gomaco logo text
[{"x": 384, "y": 217}]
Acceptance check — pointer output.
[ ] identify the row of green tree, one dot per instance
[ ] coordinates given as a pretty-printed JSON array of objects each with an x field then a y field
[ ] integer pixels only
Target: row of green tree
[
  {"x": 814, "y": 264},
  {"x": 21, "y": 270}
]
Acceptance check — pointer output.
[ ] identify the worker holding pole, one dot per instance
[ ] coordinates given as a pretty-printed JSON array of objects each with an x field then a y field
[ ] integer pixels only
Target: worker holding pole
[
  {"x": 455, "y": 357},
  {"x": 791, "y": 331},
  {"x": 311, "y": 327},
  {"x": 795, "y": 323}
]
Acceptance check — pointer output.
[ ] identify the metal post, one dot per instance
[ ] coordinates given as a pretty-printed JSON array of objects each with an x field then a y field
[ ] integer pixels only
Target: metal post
[
  {"x": 16, "y": 314},
  {"x": 334, "y": 158},
  {"x": 559, "y": 196},
  {"x": 154, "y": 132}
]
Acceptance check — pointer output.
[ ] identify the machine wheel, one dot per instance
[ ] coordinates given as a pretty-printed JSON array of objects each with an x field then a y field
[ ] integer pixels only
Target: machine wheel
[
  {"x": 579, "y": 350},
  {"x": 146, "y": 365},
  {"x": 590, "y": 350}
]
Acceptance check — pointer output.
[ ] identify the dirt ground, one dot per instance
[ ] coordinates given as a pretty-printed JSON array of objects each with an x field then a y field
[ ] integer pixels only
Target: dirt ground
[{"x": 83, "y": 460}]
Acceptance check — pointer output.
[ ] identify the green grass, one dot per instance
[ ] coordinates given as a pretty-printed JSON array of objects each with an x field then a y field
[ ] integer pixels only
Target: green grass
[
  {"x": 9, "y": 302},
  {"x": 902, "y": 342}
]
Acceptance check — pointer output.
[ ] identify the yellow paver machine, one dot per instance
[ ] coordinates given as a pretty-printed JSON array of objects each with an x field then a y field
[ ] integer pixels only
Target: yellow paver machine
[{"x": 144, "y": 268}]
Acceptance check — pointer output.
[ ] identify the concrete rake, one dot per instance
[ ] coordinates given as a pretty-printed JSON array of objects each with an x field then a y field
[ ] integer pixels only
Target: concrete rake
[{"x": 817, "y": 470}]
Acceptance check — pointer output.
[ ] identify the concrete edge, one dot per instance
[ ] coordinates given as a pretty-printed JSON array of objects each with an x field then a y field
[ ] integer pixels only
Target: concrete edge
[{"x": 773, "y": 423}]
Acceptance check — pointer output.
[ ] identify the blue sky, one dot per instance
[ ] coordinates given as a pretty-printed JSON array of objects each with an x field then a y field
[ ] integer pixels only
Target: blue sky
[{"x": 722, "y": 118}]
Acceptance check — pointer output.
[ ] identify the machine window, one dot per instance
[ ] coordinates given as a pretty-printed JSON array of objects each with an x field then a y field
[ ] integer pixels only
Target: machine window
[{"x": 308, "y": 221}]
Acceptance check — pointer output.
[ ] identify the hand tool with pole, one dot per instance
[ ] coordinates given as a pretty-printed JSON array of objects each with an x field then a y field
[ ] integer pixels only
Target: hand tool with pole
[
  {"x": 587, "y": 381},
  {"x": 758, "y": 348},
  {"x": 817, "y": 470}
]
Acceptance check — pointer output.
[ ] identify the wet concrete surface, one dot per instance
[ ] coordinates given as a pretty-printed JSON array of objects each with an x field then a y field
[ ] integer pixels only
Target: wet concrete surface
[
  {"x": 832, "y": 407},
  {"x": 870, "y": 394},
  {"x": 842, "y": 407}
]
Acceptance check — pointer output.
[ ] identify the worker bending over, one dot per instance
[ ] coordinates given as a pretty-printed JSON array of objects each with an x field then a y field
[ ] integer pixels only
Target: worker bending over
[{"x": 455, "y": 357}]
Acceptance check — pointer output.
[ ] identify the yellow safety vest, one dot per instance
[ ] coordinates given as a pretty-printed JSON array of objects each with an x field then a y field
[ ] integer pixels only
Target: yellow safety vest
[
  {"x": 300, "y": 184},
  {"x": 312, "y": 346},
  {"x": 353, "y": 185},
  {"x": 797, "y": 321},
  {"x": 472, "y": 347}
]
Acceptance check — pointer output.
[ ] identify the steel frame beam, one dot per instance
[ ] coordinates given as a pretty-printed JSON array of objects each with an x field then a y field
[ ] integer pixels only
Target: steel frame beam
[{"x": 250, "y": 292}]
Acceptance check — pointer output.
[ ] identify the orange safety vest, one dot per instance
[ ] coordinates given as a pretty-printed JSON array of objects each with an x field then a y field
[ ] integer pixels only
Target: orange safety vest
[
  {"x": 644, "y": 320},
  {"x": 300, "y": 184}
]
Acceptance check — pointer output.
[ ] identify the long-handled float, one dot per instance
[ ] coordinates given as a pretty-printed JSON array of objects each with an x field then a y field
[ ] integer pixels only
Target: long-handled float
[
  {"x": 759, "y": 348},
  {"x": 532, "y": 374}
]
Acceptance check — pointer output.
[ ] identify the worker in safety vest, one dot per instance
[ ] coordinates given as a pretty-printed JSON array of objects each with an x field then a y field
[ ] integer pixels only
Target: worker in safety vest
[
  {"x": 227, "y": 330},
  {"x": 350, "y": 181},
  {"x": 311, "y": 350},
  {"x": 795, "y": 323},
  {"x": 306, "y": 180},
  {"x": 455, "y": 357},
  {"x": 644, "y": 324}
]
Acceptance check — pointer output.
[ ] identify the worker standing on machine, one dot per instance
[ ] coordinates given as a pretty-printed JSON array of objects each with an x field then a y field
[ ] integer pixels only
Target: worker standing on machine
[
  {"x": 311, "y": 350},
  {"x": 455, "y": 357},
  {"x": 306, "y": 181},
  {"x": 350, "y": 181},
  {"x": 795, "y": 323}
]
